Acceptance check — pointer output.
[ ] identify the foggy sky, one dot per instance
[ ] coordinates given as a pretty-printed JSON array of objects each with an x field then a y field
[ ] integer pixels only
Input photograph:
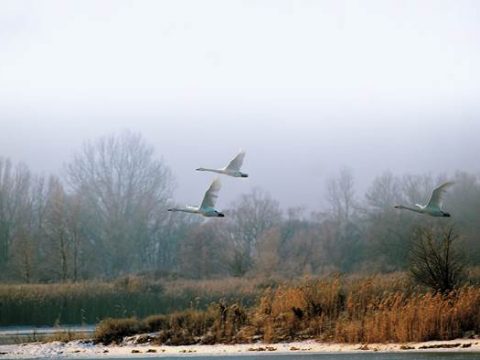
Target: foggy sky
[{"x": 305, "y": 87}]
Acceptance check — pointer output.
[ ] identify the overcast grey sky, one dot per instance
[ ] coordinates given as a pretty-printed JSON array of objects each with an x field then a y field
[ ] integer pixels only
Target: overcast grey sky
[{"x": 305, "y": 87}]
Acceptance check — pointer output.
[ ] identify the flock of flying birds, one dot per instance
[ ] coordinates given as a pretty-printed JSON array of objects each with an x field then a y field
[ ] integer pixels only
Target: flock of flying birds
[{"x": 207, "y": 208}]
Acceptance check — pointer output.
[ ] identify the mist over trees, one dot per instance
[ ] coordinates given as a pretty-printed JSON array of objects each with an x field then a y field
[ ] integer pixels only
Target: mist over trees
[{"x": 106, "y": 217}]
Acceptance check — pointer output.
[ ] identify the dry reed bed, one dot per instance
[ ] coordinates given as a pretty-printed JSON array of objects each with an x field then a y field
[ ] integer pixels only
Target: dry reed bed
[
  {"x": 367, "y": 311},
  {"x": 352, "y": 309},
  {"x": 383, "y": 308}
]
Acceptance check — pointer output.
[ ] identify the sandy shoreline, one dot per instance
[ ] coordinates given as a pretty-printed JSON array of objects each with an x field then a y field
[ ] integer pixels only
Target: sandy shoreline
[{"x": 81, "y": 349}]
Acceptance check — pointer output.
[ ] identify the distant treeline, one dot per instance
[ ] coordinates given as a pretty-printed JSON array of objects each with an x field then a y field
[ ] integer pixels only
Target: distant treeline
[{"x": 105, "y": 218}]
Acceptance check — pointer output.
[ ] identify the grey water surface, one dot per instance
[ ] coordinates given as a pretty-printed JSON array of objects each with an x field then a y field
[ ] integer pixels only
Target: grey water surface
[{"x": 23, "y": 334}]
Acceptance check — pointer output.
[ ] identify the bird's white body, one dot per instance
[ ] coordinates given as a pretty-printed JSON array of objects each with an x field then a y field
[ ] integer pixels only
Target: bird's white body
[
  {"x": 196, "y": 210},
  {"x": 232, "y": 169},
  {"x": 433, "y": 208},
  {"x": 207, "y": 208}
]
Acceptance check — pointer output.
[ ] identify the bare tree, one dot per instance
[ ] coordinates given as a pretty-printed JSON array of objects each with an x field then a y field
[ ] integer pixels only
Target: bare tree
[
  {"x": 253, "y": 214},
  {"x": 343, "y": 231},
  {"x": 341, "y": 195},
  {"x": 56, "y": 228},
  {"x": 21, "y": 207},
  {"x": 267, "y": 259},
  {"x": 463, "y": 200},
  {"x": 15, "y": 187},
  {"x": 435, "y": 260},
  {"x": 6, "y": 216},
  {"x": 387, "y": 234},
  {"x": 74, "y": 224},
  {"x": 298, "y": 245},
  {"x": 416, "y": 188},
  {"x": 306, "y": 255},
  {"x": 384, "y": 192},
  {"x": 23, "y": 256},
  {"x": 168, "y": 247},
  {"x": 125, "y": 190},
  {"x": 202, "y": 251}
]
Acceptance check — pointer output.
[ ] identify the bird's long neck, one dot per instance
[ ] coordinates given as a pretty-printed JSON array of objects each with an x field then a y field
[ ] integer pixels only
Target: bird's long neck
[
  {"x": 211, "y": 170},
  {"x": 187, "y": 210},
  {"x": 416, "y": 209}
]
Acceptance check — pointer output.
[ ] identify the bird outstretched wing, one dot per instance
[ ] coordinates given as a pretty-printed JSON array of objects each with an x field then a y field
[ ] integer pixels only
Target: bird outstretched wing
[
  {"x": 236, "y": 162},
  {"x": 211, "y": 195},
  {"x": 437, "y": 194}
]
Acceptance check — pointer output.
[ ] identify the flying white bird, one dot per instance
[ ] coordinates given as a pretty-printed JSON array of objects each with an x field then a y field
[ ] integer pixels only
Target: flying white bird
[
  {"x": 433, "y": 208},
  {"x": 207, "y": 208},
  {"x": 232, "y": 169}
]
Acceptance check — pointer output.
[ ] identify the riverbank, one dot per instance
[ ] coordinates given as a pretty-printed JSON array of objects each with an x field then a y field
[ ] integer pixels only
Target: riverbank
[
  {"x": 27, "y": 334},
  {"x": 86, "y": 349}
]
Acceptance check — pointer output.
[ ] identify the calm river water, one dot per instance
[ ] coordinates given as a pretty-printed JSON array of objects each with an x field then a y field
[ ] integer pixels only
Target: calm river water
[{"x": 20, "y": 334}]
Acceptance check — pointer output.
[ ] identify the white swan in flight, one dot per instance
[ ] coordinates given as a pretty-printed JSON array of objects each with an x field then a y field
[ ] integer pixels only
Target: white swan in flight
[
  {"x": 233, "y": 167},
  {"x": 433, "y": 208},
  {"x": 207, "y": 208}
]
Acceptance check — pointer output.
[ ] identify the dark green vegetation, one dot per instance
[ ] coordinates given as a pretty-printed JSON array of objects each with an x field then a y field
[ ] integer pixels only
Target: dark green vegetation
[{"x": 89, "y": 302}]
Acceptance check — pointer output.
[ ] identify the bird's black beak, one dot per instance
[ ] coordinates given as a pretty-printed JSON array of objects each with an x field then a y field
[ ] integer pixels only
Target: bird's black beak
[
  {"x": 221, "y": 215},
  {"x": 446, "y": 215},
  {"x": 244, "y": 175}
]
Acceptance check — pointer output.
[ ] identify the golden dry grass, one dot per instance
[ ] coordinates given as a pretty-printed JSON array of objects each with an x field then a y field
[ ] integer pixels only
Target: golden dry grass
[
  {"x": 383, "y": 308},
  {"x": 366, "y": 310},
  {"x": 66, "y": 336}
]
